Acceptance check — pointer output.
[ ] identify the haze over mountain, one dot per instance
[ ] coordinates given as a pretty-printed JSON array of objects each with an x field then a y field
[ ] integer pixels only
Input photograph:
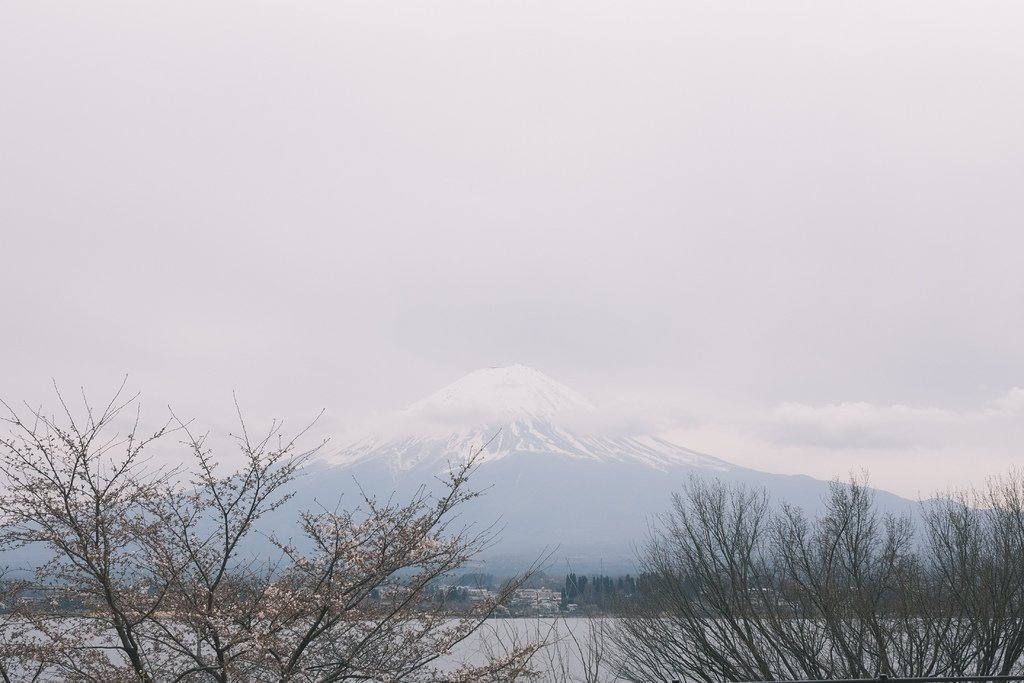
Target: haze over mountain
[
  {"x": 555, "y": 473},
  {"x": 508, "y": 411}
]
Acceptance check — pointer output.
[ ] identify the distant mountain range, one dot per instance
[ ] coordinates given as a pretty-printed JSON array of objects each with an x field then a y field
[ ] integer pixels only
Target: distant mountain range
[{"x": 554, "y": 476}]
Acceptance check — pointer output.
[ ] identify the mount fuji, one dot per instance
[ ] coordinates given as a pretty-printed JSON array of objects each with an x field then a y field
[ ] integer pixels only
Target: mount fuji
[
  {"x": 509, "y": 411},
  {"x": 554, "y": 474}
]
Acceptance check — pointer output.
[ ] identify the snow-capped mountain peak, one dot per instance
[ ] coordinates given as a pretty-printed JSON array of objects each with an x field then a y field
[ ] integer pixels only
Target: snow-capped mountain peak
[
  {"x": 508, "y": 411},
  {"x": 510, "y": 392}
]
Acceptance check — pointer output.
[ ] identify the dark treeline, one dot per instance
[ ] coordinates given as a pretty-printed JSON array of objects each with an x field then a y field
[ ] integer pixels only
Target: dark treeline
[{"x": 602, "y": 593}]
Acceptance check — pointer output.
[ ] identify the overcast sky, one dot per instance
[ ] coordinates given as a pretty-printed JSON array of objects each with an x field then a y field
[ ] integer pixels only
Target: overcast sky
[{"x": 791, "y": 233}]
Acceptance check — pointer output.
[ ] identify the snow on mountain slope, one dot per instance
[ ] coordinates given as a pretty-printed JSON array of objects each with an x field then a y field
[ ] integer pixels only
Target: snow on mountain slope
[
  {"x": 506, "y": 411},
  {"x": 500, "y": 441}
]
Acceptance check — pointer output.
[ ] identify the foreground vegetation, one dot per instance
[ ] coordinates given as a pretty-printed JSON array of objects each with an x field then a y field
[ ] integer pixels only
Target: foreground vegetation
[
  {"x": 746, "y": 591},
  {"x": 153, "y": 563},
  {"x": 151, "y": 577}
]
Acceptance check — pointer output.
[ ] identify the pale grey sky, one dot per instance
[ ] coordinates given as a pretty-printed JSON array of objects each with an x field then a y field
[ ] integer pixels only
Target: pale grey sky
[{"x": 791, "y": 232}]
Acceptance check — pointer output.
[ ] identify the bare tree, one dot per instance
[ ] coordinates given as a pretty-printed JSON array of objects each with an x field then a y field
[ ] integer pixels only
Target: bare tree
[
  {"x": 155, "y": 565},
  {"x": 701, "y": 617},
  {"x": 976, "y": 542},
  {"x": 740, "y": 590},
  {"x": 847, "y": 575}
]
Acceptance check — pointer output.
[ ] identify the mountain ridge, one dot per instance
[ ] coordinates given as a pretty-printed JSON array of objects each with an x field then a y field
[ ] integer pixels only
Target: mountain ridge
[{"x": 552, "y": 477}]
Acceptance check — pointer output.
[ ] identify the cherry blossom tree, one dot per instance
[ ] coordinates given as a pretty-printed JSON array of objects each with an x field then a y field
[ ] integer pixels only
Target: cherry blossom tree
[{"x": 152, "y": 576}]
